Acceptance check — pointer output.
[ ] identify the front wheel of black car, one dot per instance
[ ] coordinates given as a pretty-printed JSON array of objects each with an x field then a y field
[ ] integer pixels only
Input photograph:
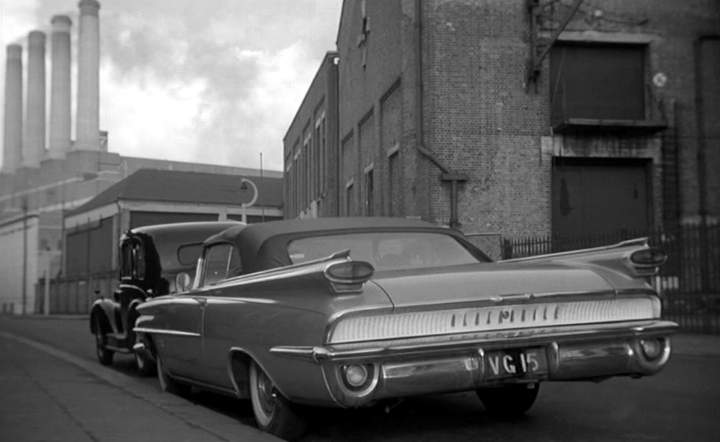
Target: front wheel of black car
[
  {"x": 144, "y": 366},
  {"x": 508, "y": 400},
  {"x": 273, "y": 413},
  {"x": 104, "y": 355}
]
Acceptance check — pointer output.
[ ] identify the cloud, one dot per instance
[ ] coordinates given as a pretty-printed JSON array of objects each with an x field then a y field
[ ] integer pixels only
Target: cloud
[
  {"x": 256, "y": 60},
  {"x": 213, "y": 81}
]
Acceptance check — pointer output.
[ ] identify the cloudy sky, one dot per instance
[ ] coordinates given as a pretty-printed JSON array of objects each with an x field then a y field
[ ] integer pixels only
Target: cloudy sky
[{"x": 214, "y": 81}]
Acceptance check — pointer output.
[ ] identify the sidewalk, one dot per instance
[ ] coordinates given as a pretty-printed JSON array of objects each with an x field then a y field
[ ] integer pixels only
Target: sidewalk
[{"x": 48, "y": 395}]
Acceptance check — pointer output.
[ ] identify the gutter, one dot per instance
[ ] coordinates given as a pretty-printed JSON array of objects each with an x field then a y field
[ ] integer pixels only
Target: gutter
[{"x": 447, "y": 175}]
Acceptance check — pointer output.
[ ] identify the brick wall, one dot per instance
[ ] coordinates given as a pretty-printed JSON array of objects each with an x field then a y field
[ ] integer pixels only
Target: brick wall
[{"x": 482, "y": 119}]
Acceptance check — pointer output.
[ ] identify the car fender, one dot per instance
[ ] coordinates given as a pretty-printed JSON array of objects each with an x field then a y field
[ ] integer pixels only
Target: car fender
[
  {"x": 239, "y": 360},
  {"x": 238, "y": 364},
  {"x": 105, "y": 309}
]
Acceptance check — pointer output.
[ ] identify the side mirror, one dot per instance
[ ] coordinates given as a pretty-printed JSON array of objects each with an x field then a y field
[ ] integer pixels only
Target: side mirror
[{"x": 183, "y": 282}]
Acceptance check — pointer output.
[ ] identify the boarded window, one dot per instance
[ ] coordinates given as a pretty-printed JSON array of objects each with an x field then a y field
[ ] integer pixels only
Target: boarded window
[
  {"x": 594, "y": 196},
  {"x": 597, "y": 82}
]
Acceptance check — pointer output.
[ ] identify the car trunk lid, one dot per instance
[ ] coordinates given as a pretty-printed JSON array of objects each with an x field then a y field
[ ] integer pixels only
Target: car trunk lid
[{"x": 471, "y": 283}]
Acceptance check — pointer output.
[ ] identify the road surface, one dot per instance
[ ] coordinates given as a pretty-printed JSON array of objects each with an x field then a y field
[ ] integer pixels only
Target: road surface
[{"x": 51, "y": 362}]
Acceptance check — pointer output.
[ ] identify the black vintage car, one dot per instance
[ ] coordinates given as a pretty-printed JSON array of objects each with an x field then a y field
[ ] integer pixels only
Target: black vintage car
[{"x": 153, "y": 260}]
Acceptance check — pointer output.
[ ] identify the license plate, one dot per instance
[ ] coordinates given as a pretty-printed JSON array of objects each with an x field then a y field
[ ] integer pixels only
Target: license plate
[{"x": 515, "y": 363}]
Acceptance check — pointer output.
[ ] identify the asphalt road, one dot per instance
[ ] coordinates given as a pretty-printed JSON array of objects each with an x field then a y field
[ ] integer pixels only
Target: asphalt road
[{"x": 679, "y": 404}]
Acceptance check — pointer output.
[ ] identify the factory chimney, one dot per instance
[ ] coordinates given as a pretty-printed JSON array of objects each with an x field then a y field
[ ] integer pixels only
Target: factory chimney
[
  {"x": 12, "y": 141},
  {"x": 60, "y": 113},
  {"x": 88, "y": 101},
  {"x": 34, "y": 140}
]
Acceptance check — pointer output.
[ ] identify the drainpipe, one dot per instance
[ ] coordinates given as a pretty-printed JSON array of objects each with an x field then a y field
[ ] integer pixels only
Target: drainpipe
[{"x": 447, "y": 175}]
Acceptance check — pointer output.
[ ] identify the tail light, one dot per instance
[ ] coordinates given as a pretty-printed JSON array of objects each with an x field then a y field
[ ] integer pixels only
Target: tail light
[
  {"x": 652, "y": 257},
  {"x": 348, "y": 276},
  {"x": 647, "y": 262}
]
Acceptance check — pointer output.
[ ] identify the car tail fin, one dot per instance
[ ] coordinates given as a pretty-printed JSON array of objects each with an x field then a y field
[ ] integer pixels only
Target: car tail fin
[{"x": 633, "y": 257}]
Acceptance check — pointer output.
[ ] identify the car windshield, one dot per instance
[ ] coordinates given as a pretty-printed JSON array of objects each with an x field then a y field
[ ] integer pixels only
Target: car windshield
[{"x": 386, "y": 250}]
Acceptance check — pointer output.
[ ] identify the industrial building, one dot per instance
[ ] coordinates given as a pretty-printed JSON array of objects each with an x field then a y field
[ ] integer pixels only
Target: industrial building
[
  {"x": 537, "y": 117},
  {"x": 48, "y": 192}
]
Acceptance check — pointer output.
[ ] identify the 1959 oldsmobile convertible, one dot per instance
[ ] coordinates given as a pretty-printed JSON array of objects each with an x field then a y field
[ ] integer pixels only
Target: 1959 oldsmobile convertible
[{"x": 346, "y": 312}]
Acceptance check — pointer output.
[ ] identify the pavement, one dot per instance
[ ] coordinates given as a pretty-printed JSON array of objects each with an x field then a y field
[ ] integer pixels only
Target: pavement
[{"x": 51, "y": 395}]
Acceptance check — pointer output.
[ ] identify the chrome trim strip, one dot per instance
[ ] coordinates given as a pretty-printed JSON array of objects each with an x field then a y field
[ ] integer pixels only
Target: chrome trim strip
[
  {"x": 300, "y": 269},
  {"x": 160, "y": 331},
  {"x": 477, "y": 319},
  {"x": 184, "y": 299},
  {"x": 636, "y": 242},
  {"x": 485, "y": 302},
  {"x": 530, "y": 297},
  {"x": 489, "y": 340}
]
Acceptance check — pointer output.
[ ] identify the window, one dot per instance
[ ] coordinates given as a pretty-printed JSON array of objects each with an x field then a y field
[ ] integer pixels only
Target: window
[
  {"x": 387, "y": 250},
  {"x": 597, "y": 81},
  {"x": 126, "y": 260},
  {"x": 369, "y": 193},
  {"x": 187, "y": 254},
  {"x": 221, "y": 261},
  {"x": 323, "y": 155},
  {"x": 307, "y": 161},
  {"x": 320, "y": 156},
  {"x": 138, "y": 258},
  {"x": 349, "y": 205},
  {"x": 393, "y": 184}
]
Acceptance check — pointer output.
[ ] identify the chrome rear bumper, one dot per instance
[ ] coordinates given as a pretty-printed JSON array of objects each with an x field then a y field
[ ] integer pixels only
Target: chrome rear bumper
[{"x": 457, "y": 363}]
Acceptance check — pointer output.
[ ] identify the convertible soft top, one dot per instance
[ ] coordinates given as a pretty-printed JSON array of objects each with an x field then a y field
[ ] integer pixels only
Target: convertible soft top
[{"x": 263, "y": 246}]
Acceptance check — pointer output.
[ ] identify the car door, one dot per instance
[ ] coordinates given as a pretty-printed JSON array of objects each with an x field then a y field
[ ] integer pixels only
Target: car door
[
  {"x": 178, "y": 335},
  {"x": 219, "y": 314}
]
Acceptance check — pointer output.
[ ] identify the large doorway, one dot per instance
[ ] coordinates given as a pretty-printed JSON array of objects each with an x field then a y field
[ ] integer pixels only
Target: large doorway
[{"x": 592, "y": 196}]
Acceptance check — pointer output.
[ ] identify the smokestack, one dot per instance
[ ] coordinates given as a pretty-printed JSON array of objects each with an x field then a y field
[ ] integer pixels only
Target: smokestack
[
  {"x": 88, "y": 102},
  {"x": 60, "y": 113},
  {"x": 12, "y": 141},
  {"x": 34, "y": 141}
]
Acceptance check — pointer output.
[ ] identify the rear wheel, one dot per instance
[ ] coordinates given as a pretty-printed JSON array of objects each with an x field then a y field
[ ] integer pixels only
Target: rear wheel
[
  {"x": 509, "y": 400},
  {"x": 273, "y": 413},
  {"x": 105, "y": 356}
]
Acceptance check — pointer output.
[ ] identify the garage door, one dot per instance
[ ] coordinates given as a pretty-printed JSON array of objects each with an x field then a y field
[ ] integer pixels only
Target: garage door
[{"x": 592, "y": 196}]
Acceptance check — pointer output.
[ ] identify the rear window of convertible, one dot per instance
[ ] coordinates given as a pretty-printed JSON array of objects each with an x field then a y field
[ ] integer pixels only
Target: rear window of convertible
[{"x": 386, "y": 250}]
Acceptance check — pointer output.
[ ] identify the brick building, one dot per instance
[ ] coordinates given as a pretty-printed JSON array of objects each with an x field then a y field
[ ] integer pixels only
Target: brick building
[
  {"x": 521, "y": 116},
  {"x": 311, "y": 147}
]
